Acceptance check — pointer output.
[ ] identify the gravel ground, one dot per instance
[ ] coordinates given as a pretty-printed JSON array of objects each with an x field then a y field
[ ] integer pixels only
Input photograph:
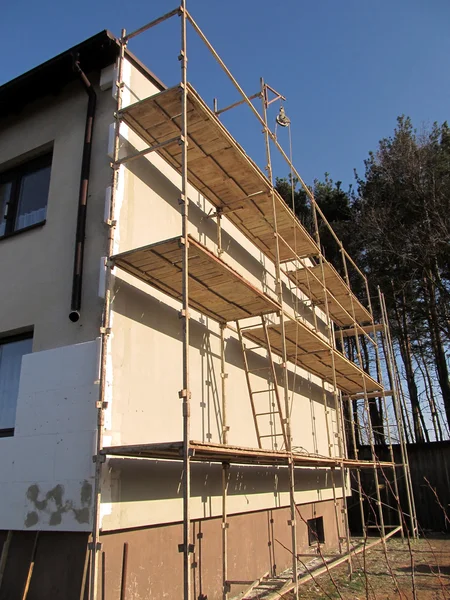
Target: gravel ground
[{"x": 380, "y": 577}]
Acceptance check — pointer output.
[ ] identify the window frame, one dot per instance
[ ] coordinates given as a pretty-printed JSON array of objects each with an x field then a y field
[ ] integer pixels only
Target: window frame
[
  {"x": 15, "y": 176},
  {"x": 10, "y": 339}
]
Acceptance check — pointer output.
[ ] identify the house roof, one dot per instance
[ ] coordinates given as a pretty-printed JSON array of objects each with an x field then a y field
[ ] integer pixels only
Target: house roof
[{"x": 50, "y": 77}]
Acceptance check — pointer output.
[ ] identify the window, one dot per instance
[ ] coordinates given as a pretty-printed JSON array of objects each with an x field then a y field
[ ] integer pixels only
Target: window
[
  {"x": 11, "y": 351},
  {"x": 24, "y": 195},
  {"x": 316, "y": 533}
]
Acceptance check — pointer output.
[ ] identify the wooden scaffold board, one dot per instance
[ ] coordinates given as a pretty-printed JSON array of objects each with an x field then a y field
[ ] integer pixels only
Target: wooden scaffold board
[
  {"x": 220, "y": 170},
  {"x": 341, "y": 300},
  {"x": 210, "y": 452},
  {"x": 308, "y": 350},
  {"x": 215, "y": 289}
]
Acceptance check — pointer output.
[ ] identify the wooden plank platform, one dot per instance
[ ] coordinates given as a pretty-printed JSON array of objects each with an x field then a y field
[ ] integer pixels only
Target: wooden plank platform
[
  {"x": 220, "y": 170},
  {"x": 215, "y": 289},
  {"x": 308, "y": 350},
  {"x": 339, "y": 295},
  {"x": 208, "y": 452},
  {"x": 352, "y": 331}
]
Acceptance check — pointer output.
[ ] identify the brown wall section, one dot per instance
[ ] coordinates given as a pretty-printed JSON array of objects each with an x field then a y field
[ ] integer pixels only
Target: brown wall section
[{"x": 256, "y": 544}]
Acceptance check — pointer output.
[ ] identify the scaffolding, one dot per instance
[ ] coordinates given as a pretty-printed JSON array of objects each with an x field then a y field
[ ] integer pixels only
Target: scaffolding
[{"x": 178, "y": 125}]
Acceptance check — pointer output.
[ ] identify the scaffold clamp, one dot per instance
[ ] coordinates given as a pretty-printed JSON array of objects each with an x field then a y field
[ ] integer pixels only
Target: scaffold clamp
[
  {"x": 99, "y": 458},
  {"x": 97, "y": 546},
  {"x": 191, "y": 548}
]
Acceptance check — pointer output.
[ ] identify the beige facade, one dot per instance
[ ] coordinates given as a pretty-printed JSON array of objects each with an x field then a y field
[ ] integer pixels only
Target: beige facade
[
  {"x": 47, "y": 464},
  {"x": 38, "y": 264},
  {"x": 145, "y": 365}
]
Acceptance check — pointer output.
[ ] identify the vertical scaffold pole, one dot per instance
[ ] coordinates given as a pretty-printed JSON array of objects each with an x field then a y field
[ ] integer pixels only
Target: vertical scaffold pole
[
  {"x": 384, "y": 408},
  {"x": 185, "y": 393},
  {"x": 358, "y": 470},
  {"x": 95, "y": 546},
  {"x": 366, "y": 403},
  {"x": 225, "y": 466},
  {"x": 279, "y": 289},
  {"x": 336, "y": 399},
  {"x": 225, "y": 478},
  {"x": 343, "y": 453},
  {"x": 389, "y": 358}
]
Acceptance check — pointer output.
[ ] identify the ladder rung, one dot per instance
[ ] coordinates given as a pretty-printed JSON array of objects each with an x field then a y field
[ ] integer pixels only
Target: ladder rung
[
  {"x": 261, "y": 392},
  {"x": 265, "y": 413},
  {"x": 259, "y": 369},
  {"x": 253, "y": 348},
  {"x": 271, "y": 435}
]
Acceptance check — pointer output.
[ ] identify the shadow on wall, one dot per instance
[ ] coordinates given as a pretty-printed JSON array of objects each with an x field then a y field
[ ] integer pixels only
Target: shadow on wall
[
  {"x": 297, "y": 384},
  {"x": 206, "y": 227},
  {"x": 138, "y": 481},
  {"x": 154, "y": 179},
  {"x": 211, "y": 401},
  {"x": 139, "y": 306},
  {"x": 142, "y": 308}
]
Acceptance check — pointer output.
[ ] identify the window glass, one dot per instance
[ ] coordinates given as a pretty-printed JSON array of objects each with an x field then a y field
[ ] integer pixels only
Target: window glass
[
  {"x": 5, "y": 191},
  {"x": 10, "y": 364},
  {"x": 33, "y": 195}
]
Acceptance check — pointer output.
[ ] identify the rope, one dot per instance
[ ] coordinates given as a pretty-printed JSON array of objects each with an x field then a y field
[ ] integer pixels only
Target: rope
[{"x": 295, "y": 250}]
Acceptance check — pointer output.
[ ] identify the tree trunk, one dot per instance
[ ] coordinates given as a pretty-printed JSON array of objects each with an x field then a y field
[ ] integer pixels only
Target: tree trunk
[
  {"x": 405, "y": 351},
  {"x": 430, "y": 393},
  {"x": 438, "y": 346},
  {"x": 391, "y": 376}
]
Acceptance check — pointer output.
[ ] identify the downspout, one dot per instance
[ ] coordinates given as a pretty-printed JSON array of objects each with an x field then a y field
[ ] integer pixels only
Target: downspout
[{"x": 77, "y": 278}]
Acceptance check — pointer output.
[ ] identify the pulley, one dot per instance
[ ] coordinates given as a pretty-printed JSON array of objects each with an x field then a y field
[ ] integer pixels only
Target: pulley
[{"x": 282, "y": 119}]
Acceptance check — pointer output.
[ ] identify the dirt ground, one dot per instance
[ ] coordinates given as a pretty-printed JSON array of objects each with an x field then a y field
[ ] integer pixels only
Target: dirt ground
[{"x": 389, "y": 578}]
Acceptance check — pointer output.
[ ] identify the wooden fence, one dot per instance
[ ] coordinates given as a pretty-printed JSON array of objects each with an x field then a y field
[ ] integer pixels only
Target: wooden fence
[{"x": 428, "y": 461}]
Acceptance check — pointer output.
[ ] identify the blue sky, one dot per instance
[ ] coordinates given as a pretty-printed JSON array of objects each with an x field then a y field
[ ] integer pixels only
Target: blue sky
[{"x": 348, "y": 68}]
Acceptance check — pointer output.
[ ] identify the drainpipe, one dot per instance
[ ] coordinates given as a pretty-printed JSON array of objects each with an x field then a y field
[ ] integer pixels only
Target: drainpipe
[{"x": 77, "y": 279}]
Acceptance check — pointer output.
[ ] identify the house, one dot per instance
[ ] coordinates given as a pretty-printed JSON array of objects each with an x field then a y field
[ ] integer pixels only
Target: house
[{"x": 171, "y": 412}]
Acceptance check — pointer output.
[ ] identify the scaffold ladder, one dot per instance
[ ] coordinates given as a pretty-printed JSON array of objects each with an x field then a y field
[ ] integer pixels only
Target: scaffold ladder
[{"x": 270, "y": 395}]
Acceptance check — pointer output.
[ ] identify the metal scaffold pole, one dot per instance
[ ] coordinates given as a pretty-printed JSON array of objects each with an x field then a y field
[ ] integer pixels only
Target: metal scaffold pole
[
  {"x": 366, "y": 403},
  {"x": 358, "y": 471},
  {"x": 336, "y": 400},
  {"x": 386, "y": 417},
  {"x": 343, "y": 453},
  {"x": 185, "y": 393},
  {"x": 225, "y": 466},
  {"x": 390, "y": 364},
  {"x": 95, "y": 545},
  {"x": 279, "y": 290}
]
